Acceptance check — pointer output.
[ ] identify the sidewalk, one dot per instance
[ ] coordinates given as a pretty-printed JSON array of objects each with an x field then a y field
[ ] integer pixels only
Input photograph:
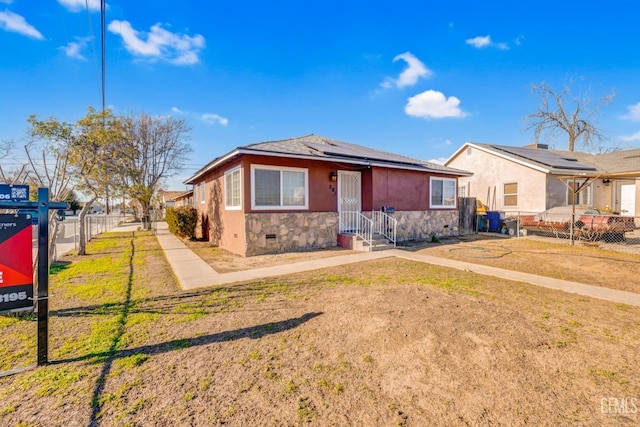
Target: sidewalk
[{"x": 192, "y": 272}]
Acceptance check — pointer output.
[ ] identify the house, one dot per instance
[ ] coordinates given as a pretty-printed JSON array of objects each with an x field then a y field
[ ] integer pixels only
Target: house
[
  {"x": 534, "y": 178},
  {"x": 301, "y": 193},
  {"x": 167, "y": 198},
  {"x": 185, "y": 198}
]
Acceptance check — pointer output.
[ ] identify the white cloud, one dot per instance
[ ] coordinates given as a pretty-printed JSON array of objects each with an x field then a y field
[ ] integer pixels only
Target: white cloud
[
  {"x": 208, "y": 118},
  {"x": 634, "y": 113},
  {"x": 631, "y": 138},
  {"x": 214, "y": 118},
  {"x": 438, "y": 161},
  {"x": 160, "y": 44},
  {"x": 432, "y": 104},
  {"x": 80, "y": 5},
  {"x": 13, "y": 22},
  {"x": 410, "y": 76},
  {"x": 74, "y": 49},
  {"x": 481, "y": 42}
]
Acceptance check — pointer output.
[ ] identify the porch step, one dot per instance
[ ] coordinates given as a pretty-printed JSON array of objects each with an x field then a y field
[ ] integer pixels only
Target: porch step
[{"x": 351, "y": 241}]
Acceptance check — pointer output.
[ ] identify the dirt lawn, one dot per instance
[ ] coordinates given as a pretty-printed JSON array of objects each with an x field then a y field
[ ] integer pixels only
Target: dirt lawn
[
  {"x": 389, "y": 342},
  {"x": 580, "y": 263}
]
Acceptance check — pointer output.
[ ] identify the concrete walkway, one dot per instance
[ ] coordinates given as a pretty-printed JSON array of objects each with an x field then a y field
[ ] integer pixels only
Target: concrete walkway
[{"x": 192, "y": 272}]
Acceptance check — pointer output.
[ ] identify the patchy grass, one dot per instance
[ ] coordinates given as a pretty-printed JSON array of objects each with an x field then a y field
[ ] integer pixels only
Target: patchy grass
[
  {"x": 550, "y": 258},
  {"x": 390, "y": 342}
]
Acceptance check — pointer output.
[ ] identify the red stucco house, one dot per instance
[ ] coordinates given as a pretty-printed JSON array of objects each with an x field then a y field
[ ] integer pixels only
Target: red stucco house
[{"x": 301, "y": 193}]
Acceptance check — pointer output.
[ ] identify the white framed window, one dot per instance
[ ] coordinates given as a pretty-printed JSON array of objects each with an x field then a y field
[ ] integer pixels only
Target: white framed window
[
  {"x": 276, "y": 187},
  {"x": 510, "y": 194},
  {"x": 583, "y": 197},
  {"x": 443, "y": 193},
  {"x": 233, "y": 189},
  {"x": 202, "y": 192}
]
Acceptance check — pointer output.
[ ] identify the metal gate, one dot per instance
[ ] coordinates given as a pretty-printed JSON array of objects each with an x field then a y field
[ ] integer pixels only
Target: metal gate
[{"x": 349, "y": 197}]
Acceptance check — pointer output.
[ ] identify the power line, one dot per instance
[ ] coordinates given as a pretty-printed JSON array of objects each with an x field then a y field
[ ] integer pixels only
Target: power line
[
  {"x": 103, "y": 21},
  {"x": 93, "y": 45}
]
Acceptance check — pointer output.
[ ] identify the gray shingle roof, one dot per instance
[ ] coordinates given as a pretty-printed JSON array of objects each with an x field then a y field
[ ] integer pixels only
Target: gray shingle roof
[
  {"x": 609, "y": 163},
  {"x": 560, "y": 162},
  {"x": 330, "y": 149},
  {"x": 327, "y": 149}
]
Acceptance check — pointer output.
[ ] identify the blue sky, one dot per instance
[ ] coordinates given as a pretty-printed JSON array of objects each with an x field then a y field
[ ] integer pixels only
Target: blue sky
[{"x": 417, "y": 78}]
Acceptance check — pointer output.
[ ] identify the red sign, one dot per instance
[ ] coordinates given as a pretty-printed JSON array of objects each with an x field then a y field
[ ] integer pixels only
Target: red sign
[{"x": 16, "y": 263}]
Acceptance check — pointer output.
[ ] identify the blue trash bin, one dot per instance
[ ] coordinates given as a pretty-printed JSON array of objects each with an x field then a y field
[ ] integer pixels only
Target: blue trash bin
[{"x": 494, "y": 218}]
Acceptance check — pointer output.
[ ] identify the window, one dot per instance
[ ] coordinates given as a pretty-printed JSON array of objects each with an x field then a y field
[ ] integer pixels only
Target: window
[
  {"x": 279, "y": 188},
  {"x": 443, "y": 193},
  {"x": 510, "y": 194},
  {"x": 462, "y": 191},
  {"x": 202, "y": 192},
  {"x": 232, "y": 189},
  {"x": 583, "y": 197}
]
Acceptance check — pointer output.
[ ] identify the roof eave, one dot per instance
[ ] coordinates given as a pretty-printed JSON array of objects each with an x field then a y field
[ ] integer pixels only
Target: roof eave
[{"x": 363, "y": 162}]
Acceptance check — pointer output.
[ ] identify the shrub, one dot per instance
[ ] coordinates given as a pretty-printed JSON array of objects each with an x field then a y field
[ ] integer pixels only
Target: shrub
[{"x": 182, "y": 221}]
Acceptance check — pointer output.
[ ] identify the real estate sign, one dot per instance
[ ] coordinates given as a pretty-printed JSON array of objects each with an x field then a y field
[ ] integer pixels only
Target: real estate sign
[
  {"x": 16, "y": 265},
  {"x": 14, "y": 193}
]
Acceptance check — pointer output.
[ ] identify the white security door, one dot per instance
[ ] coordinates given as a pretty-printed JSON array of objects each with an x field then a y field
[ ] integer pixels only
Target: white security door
[
  {"x": 349, "y": 191},
  {"x": 628, "y": 199},
  {"x": 349, "y": 197}
]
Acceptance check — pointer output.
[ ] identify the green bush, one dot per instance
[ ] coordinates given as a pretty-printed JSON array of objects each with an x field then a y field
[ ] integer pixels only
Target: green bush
[{"x": 182, "y": 221}]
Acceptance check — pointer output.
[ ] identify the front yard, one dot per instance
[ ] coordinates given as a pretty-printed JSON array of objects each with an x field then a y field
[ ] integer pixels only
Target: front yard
[{"x": 390, "y": 342}]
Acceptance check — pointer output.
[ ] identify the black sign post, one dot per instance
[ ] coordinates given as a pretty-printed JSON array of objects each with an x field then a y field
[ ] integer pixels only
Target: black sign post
[{"x": 43, "y": 205}]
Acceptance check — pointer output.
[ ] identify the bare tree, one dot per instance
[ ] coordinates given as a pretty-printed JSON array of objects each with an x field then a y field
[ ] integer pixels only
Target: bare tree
[
  {"x": 18, "y": 174},
  {"x": 47, "y": 152},
  {"x": 153, "y": 148},
  {"x": 575, "y": 116}
]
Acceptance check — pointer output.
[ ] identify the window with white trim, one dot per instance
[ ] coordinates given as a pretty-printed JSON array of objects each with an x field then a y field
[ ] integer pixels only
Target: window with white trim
[
  {"x": 583, "y": 197},
  {"x": 510, "y": 194},
  {"x": 202, "y": 192},
  {"x": 274, "y": 187},
  {"x": 443, "y": 193},
  {"x": 233, "y": 189}
]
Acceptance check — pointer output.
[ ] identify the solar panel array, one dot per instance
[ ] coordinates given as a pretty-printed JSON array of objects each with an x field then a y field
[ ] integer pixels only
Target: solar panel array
[
  {"x": 360, "y": 153},
  {"x": 545, "y": 157}
]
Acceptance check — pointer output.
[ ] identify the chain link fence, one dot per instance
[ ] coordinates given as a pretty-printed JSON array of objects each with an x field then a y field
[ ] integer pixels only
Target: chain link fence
[
  {"x": 583, "y": 225},
  {"x": 68, "y": 235}
]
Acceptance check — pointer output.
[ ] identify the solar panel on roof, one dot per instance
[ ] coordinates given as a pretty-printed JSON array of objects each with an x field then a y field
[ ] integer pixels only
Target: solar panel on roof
[
  {"x": 545, "y": 157},
  {"x": 360, "y": 153}
]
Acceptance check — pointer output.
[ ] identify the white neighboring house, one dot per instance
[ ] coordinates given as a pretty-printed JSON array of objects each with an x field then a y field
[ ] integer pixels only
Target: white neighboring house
[{"x": 534, "y": 178}]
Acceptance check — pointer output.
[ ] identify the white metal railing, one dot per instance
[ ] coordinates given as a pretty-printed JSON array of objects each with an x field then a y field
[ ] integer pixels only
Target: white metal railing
[
  {"x": 364, "y": 227},
  {"x": 358, "y": 224},
  {"x": 384, "y": 225}
]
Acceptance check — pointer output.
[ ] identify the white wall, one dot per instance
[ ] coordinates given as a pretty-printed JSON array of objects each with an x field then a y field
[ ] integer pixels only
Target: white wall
[{"x": 491, "y": 171}]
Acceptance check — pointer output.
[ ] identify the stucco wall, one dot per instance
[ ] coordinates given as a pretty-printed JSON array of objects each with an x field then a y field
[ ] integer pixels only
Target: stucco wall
[
  {"x": 556, "y": 193},
  {"x": 491, "y": 171},
  {"x": 402, "y": 189},
  {"x": 269, "y": 233}
]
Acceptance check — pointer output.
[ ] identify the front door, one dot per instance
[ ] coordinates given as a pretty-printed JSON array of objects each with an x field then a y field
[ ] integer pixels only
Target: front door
[
  {"x": 628, "y": 199},
  {"x": 349, "y": 198}
]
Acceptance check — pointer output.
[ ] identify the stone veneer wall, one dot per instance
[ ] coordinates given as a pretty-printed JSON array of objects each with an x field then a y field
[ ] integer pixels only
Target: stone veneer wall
[
  {"x": 295, "y": 231},
  {"x": 418, "y": 225}
]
